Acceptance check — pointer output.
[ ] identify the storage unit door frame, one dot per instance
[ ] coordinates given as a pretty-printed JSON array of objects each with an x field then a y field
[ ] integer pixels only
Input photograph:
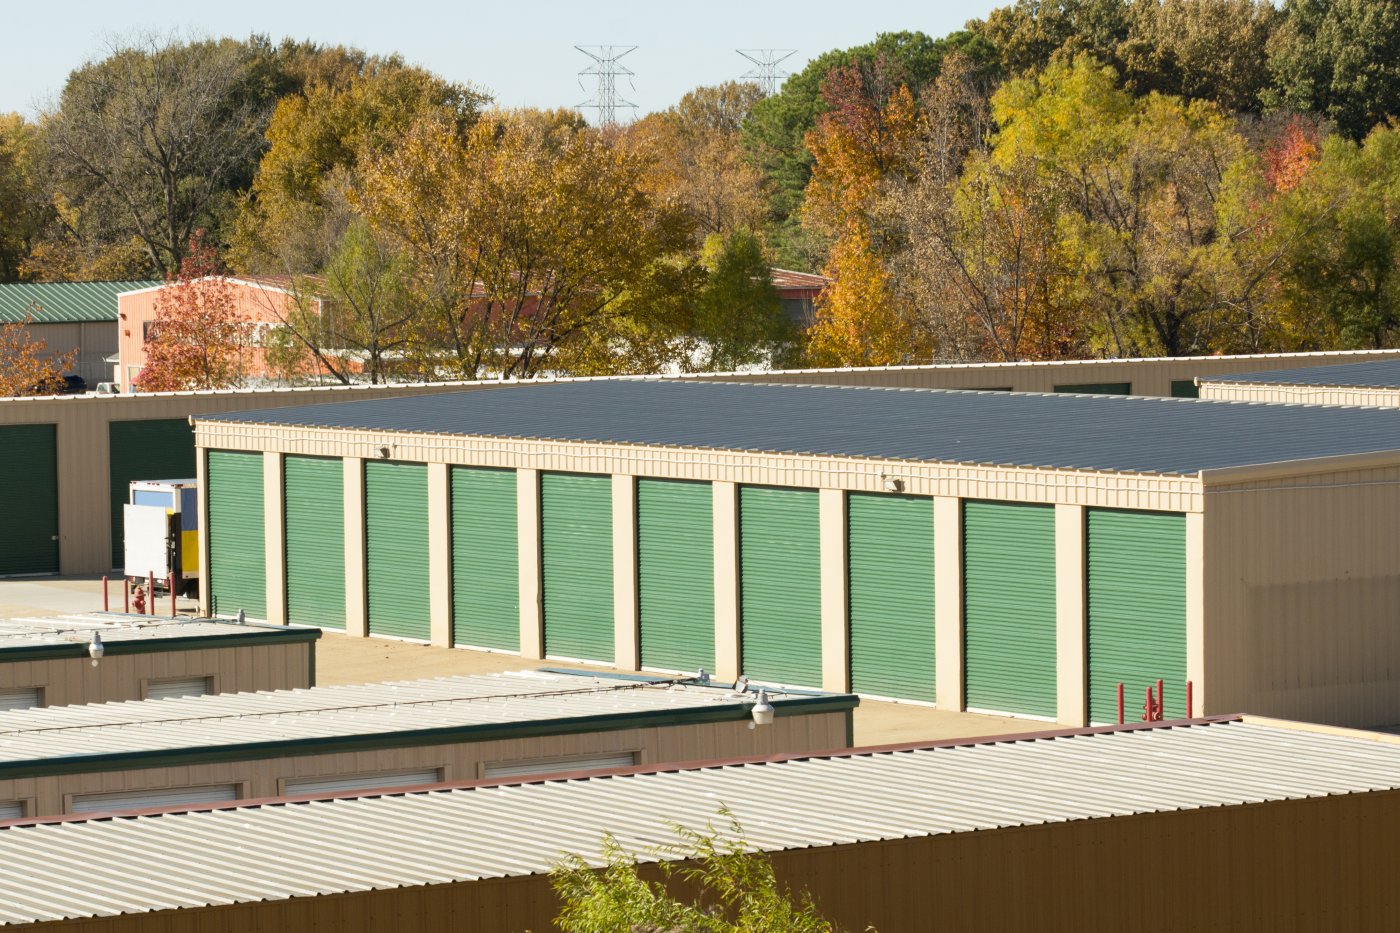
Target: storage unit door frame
[
  {"x": 153, "y": 797},
  {"x": 342, "y": 783},
  {"x": 1136, "y": 596},
  {"x": 150, "y": 449},
  {"x": 485, "y": 561},
  {"x": 396, "y": 549},
  {"x": 313, "y": 495},
  {"x": 576, "y": 566},
  {"x": 889, "y": 561},
  {"x": 235, "y": 536},
  {"x": 676, "y": 575},
  {"x": 29, "y": 544},
  {"x": 1009, "y": 609},
  {"x": 780, "y": 585}
]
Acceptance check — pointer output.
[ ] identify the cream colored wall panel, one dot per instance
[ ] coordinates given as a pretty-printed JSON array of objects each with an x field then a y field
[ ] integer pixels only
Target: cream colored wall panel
[
  {"x": 1071, "y": 634},
  {"x": 356, "y": 561},
  {"x": 439, "y": 555},
  {"x": 948, "y": 602},
  {"x": 726, "y": 550},
  {"x": 626, "y": 631},
  {"x": 527, "y": 505},
  {"x": 274, "y": 539},
  {"x": 836, "y": 654}
]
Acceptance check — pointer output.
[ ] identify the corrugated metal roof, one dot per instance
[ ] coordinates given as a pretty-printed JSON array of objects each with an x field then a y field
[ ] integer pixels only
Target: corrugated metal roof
[
  {"x": 63, "y": 302},
  {"x": 75, "y": 738},
  {"x": 1376, "y": 374},
  {"x": 786, "y": 278},
  {"x": 1119, "y": 433},
  {"x": 116, "y": 627},
  {"x": 274, "y": 851}
]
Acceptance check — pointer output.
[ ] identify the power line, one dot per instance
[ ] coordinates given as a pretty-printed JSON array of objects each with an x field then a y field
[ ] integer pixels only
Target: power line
[
  {"x": 766, "y": 73},
  {"x": 606, "y": 69}
]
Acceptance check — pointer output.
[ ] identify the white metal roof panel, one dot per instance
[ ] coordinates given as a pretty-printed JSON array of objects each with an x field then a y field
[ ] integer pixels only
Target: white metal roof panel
[
  {"x": 277, "y": 850},
  {"x": 115, "y": 627},
  {"x": 1373, "y": 374}
]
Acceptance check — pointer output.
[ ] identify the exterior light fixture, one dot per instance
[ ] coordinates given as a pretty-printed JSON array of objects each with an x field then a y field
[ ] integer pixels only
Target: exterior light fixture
[
  {"x": 891, "y": 483},
  {"x": 384, "y": 453},
  {"x": 702, "y": 676},
  {"x": 741, "y": 685},
  {"x": 763, "y": 710},
  {"x": 242, "y": 617},
  {"x": 96, "y": 649}
]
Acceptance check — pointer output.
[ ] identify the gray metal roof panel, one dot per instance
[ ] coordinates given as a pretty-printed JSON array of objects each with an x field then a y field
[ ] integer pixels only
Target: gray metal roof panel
[
  {"x": 1376, "y": 374},
  {"x": 1081, "y": 432},
  {"x": 63, "y": 302},
  {"x": 276, "y": 850},
  {"x": 20, "y": 633},
  {"x": 93, "y": 736}
]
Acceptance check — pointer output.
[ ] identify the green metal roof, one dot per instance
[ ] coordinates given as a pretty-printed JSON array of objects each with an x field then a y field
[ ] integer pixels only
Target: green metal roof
[{"x": 63, "y": 302}]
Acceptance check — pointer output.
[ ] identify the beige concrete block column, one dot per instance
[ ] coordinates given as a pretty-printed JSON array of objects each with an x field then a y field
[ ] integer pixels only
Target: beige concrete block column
[
  {"x": 948, "y": 602},
  {"x": 439, "y": 555},
  {"x": 527, "y": 512},
  {"x": 356, "y": 587},
  {"x": 1196, "y": 610},
  {"x": 626, "y": 632},
  {"x": 84, "y": 510},
  {"x": 1071, "y": 618},
  {"x": 274, "y": 539},
  {"x": 728, "y": 660},
  {"x": 836, "y": 642},
  {"x": 201, "y": 476}
]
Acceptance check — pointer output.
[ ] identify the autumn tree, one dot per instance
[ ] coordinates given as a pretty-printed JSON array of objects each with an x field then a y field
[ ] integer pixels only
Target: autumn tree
[
  {"x": 23, "y": 211},
  {"x": 27, "y": 366},
  {"x": 198, "y": 338},
  {"x": 739, "y": 317}
]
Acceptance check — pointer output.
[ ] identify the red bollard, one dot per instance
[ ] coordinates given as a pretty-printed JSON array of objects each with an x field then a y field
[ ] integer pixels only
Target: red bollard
[
  {"x": 1161, "y": 703},
  {"x": 126, "y": 595},
  {"x": 1189, "y": 710},
  {"x": 1147, "y": 706},
  {"x": 1120, "y": 703},
  {"x": 151, "y": 590},
  {"x": 105, "y": 607},
  {"x": 170, "y": 584}
]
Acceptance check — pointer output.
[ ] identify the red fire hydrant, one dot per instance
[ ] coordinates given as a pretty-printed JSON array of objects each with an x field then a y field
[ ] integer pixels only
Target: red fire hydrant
[{"x": 138, "y": 600}]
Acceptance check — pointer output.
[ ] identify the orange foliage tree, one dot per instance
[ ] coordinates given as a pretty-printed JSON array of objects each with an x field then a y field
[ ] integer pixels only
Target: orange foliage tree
[
  {"x": 26, "y": 365},
  {"x": 199, "y": 339}
]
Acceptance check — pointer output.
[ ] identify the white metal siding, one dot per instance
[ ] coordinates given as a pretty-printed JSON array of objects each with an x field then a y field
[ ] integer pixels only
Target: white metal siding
[
  {"x": 172, "y": 689},
  {"x": 361, "y": 782},
  {"x": 165, "y": 797},
  {"x": 20, "y": 698},
  {"x": 11, "y": 809},
  {"x": 506, "y": 769}
]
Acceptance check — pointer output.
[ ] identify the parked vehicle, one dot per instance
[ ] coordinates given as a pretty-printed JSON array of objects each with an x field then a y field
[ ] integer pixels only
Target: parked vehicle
[{"x": 161, "y": 519}]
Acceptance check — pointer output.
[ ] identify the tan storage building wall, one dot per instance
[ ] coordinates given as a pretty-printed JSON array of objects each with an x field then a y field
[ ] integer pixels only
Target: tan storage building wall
[{"x": 1300, "y": 394}]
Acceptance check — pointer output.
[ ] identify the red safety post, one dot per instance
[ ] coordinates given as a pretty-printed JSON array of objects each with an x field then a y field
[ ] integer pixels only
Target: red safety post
[
  {"x": 1120, "y": 702},
  {"x": 1189, "y": 710},
  {"x": 105, "y": 607},
  {"x": 151, "y": 590},
  {"x": 1161, "y": 702},
  {"x": 1147, "y": 705},
  {"x": 126, "y": 595},
  {"x": 170, "y": 583}
]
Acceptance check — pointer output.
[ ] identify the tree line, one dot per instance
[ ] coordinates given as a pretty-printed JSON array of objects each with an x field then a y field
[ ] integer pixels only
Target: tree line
[{"x": 1063, "y": 178}]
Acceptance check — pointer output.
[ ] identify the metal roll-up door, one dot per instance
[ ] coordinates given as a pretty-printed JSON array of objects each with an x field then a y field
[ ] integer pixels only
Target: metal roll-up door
[
  {"x": 175, "y": 689},
  {"x": 396, "y": 548},
  {"x": 145, "y": 450},
  {"x": 1097, "y": 388},
  {"x": 1009, "y": 608},
  {"x": 508, "y": 769},
  {"x": 485, "y": 560},
  {"x": 780, "y": 585},
  {"x": 576, "y": 544},
  {"x": 20, "y": 698},
  {"x": 1137, "y": 610},
  {"x": 335, "y": 785},
  {"x": 165, "y": 797},
  {"x": 237, "y": 559},
  {"x": 11, "y": 809},
  {"x": 890, "y": 554},
  {"x": 313, "y": 491},
  {"x": 676, "y": 575},
  {"x": 29, "y": 544}
]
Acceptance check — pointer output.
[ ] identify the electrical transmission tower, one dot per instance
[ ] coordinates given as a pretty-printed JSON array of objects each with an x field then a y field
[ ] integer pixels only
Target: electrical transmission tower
[
  {"x": 766, "y": 73},
  {"x": 606, "y": 69}
]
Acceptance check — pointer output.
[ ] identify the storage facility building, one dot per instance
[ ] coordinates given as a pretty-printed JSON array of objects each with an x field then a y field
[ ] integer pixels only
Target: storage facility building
[
  {"x": 124, "y": 756},
  {"x": 1232, "y": 825},
  {"x": 70, "y": 317},
  {"x": 1375, "y": 383},
  {"x": 998, "y": 552},
  {"x": 46, "y": 662}
]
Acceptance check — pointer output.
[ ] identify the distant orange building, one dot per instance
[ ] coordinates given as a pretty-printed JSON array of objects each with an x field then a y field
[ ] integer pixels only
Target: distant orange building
[{"x": 264, "y": 303}]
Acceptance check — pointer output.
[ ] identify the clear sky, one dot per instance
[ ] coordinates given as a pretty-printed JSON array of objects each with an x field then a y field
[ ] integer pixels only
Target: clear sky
[{"x": 519, "y": 50}]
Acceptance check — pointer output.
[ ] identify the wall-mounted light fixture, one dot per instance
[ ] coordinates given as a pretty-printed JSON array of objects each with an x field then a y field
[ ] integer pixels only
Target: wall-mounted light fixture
[
  {"x": 891, "y": 483},
  {"x": 96, "y": 649},
  {"x": 384, "y": 453}
]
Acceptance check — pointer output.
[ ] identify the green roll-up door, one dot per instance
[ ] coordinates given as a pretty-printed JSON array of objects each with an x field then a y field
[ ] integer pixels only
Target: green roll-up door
[
  {"x": 576, "y": 547},
  {"x": 1098, "y": 388},
  {"x": 676, "y": 574},
  {"x": 1137, "y": 610},
  {"x": 237, "y": 561},
  {"x": 1009, "y": 607},
  {"x": 396, "y": 548},
  {"x": 890, "y": 574},
  {"x": 145, "y": 450},
  {"x": 1185, "y": 388},
  {"x": 313, "y": 489},
  {"x": 29, "y": 543},
  {"x": 780, "y": 585},
  {"x": 485, "y": 560}
]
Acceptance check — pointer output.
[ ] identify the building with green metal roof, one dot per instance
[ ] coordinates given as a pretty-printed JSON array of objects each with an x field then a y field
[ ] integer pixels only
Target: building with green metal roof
[{"x": 70, "y": 316}]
